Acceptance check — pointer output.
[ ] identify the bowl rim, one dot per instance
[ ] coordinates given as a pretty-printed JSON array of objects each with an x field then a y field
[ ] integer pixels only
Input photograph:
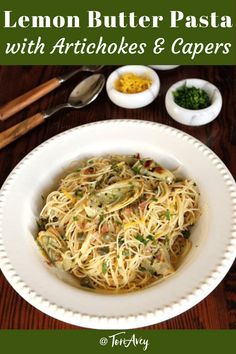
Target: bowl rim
[
  {"x": 107, "y": 322},
  {"x": 164, "y": 67}
]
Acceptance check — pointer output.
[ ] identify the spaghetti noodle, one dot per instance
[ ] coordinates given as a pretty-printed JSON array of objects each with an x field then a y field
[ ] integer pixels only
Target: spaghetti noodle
[{"x": 118, "y": 223}]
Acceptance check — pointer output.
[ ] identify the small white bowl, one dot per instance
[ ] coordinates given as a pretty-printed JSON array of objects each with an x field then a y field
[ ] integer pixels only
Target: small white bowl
[
  {"x": 191, "y": 116},
  {"x": 133, "y": 100},
  {"x": 164, "y": 67}
]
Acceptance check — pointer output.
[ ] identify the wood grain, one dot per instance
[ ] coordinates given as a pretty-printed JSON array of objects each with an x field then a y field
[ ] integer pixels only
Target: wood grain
[
  {"x": 218, "y": 310},
  {"x": 17, "y": 104},
  {"x": 16, "y": 131}
]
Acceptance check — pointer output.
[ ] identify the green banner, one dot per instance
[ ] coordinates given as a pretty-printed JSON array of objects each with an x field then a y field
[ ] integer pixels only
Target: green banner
[
  {"x": 118, "y": 32},
  {"x": 120, "y": 341}
]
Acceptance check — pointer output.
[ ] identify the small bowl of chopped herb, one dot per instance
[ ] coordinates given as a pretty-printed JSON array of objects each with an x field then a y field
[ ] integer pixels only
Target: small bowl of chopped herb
[{"x": 193, "y": 102}]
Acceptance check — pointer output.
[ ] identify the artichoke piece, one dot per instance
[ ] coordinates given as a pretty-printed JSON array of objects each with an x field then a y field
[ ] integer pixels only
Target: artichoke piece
[
  {"x": 53, "y": 246},
  {"x": 154, "y": 169},
  {"x": 118, "y": 195},
  {"x": 157, "y": 268}
]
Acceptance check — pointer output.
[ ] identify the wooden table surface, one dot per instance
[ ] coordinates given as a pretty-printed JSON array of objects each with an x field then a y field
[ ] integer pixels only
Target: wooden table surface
[{"x": 218, "y": 310}]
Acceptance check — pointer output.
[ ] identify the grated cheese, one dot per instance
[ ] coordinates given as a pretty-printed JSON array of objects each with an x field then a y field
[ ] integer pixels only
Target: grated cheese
[
  {"x": 131, "y": 83},
  {"x": 68, "y": 195}
]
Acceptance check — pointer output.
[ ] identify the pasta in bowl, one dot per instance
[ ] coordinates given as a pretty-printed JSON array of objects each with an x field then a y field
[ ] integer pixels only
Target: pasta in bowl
[
  {"x": 108, "y": 306},
  {"x": 119, "y": 222}
]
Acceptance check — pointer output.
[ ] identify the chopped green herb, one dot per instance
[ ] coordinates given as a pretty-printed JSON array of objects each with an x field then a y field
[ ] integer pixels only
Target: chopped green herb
[
  {"x": 103, "y": 250},
  {"x": 194, "y": 184},
  {"x": 186, "y": 233},
  {"x": 101, "y": 217},
  {"x": 150, "y": 237},
  {"x": 125, "y": 253},
  {"x": 136, "y": 169},
  {"x": 154, "y": 199},
  {"x": 131, "y": 185},
  {"x": 79, "y": 193},
  {"x": 168, "y": 214},
  {"x": 120, "y": 241},
  {"x": 140, "y": 238},
  {"x": 151, "y": 271},
  {"x": 75, "y": 218},
  {"x": 191, "y": 98},
  {"x": 114, "y": 167},
  {"x": 104, "y": 267},
  {"x": 114, "y": 197}
]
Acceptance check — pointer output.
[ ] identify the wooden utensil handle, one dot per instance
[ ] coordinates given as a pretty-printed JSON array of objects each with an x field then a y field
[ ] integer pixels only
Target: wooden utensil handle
[
  {"x": 13, "y": 133},
  {"x": 27, "y": 98}
]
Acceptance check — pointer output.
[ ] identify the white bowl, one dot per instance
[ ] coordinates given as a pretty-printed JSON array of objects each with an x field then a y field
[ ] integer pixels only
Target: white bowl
[
  {"x": 164, "y": 67},
  {"x": 190, "y": 116},
  {"x": 213, "y": 237},
  {"x": 133, "y": 100}
]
